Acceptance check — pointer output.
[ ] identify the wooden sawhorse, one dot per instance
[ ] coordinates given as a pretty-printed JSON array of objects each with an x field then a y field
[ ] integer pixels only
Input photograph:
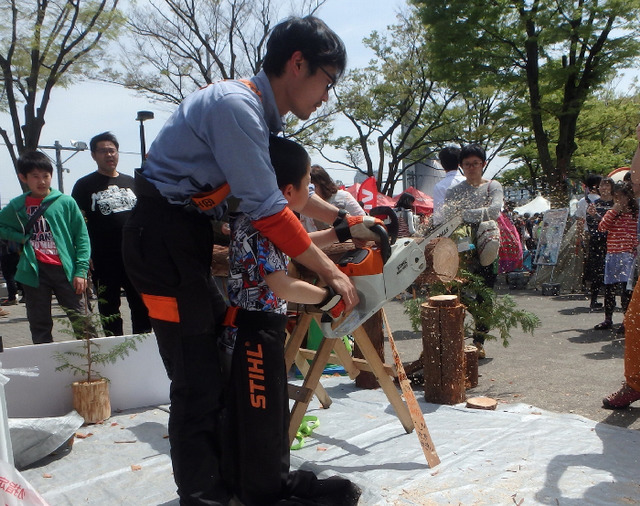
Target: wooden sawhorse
[{"x": 334, "y": 350}]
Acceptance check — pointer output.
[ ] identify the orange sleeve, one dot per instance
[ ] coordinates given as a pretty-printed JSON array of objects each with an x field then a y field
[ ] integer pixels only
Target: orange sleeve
[{"x": 285, "y": 231}]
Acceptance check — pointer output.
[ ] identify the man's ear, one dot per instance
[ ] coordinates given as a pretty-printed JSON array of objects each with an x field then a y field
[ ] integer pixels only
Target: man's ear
[
  {"x": 296, "y": 62},
  {"x": 22, "y": 178}
]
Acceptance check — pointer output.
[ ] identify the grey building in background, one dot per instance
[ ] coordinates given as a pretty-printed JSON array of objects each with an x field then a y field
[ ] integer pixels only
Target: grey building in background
[{"x": 423, "y": 176}]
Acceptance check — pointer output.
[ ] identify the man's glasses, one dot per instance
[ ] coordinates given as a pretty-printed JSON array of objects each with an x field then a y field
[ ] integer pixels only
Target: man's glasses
[
  {"x": 331, "y": 78},
  {"x": 469, "y": 165},
  {"x": 106, "y": 151}
]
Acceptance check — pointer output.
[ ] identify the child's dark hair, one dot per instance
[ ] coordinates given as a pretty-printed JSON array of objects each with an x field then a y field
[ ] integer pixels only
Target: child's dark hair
[
  {"x": 592, "y": 181},
  {"x": 473, "y": 150},
  {"x": 608, "y": 181},
  {"x": 405, "y": 201},
  {"x": 30, "y": 160},
  {"x": 289, "y": 159},
  {"x": 627, "y": 190},
  {"x": 104, "y": 136}
]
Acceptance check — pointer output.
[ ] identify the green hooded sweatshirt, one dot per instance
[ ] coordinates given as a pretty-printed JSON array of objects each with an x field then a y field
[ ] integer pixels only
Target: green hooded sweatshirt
[{"x": 69, "y": 233}]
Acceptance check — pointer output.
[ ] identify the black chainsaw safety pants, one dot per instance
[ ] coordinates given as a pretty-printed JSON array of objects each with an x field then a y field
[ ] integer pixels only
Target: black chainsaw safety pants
[
  {"x": 167, "y": 251},
  {"x": 256, "y": 417}
]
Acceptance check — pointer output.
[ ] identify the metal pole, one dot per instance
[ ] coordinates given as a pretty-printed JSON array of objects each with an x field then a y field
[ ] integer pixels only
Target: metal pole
[
  {"x": 143, "y": 146},
  {"x": 58, "y": 148}
]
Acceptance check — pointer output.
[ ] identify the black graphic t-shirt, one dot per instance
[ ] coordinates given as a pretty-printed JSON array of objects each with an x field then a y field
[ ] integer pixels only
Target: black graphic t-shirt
[{"x": 106, "y": 202}]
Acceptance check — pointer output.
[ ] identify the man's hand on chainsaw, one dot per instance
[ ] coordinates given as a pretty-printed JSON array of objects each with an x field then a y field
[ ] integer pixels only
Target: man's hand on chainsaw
[
  {"x": 357, "y": 228},
  {"x": 332, "y": 303}
]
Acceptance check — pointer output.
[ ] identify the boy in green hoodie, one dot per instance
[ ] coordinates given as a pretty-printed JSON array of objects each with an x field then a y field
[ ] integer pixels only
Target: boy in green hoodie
[{"x": 55, "y": 256}]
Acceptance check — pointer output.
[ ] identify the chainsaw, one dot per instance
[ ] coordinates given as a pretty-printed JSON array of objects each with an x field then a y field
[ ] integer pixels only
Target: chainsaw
[{"x": 380, "y": 273}]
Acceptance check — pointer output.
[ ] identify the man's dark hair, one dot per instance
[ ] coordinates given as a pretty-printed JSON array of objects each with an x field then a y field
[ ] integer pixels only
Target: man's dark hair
[
  {"x": 289, "y": 159},
  {"x": 592, "y": 181},
  {"x": 323, "y": 182},
  {"x": 104, "y": 136},
  {"x": 318, "y": 43},
  {"x": 449, "y": 158},
  {"x": 30, "y": 160},
  {"x": 473, "y": 150}
]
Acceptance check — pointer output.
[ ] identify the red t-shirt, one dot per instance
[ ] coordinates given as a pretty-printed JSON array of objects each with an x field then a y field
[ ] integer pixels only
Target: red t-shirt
[{"x": 41, "y": 236}]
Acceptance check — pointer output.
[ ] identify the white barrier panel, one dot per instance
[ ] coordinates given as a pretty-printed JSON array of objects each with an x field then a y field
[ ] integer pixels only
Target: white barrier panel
[{"x": 136, "y": 380}]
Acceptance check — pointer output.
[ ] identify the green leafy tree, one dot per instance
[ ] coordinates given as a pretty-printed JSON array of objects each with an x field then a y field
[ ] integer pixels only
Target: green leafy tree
[
  {"x": 605, "y": 140},
  {"x": 394, "y": 106},
  {"x": 46, "y": 44},
  {"x": 552, "y": 54},
  {"x": 401, "y": 115}
]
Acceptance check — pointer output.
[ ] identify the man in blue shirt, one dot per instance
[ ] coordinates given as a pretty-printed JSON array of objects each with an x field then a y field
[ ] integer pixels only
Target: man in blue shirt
[{"x": 216, "y": 143}]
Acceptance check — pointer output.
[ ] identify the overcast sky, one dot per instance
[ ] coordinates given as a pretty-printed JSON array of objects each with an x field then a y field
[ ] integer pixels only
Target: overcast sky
[{"x": 88, "y": 108}]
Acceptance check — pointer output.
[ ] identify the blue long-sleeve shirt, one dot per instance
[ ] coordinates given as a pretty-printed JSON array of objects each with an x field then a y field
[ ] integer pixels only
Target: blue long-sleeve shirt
[{"x": 220, "y": 134}]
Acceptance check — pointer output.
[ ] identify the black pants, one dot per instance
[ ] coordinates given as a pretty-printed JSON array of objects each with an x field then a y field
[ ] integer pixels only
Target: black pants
[
  {"x": 257, "y": 421},
  {"x": 110, "y": 277},
  {"x": 53, "y": 280},
  {"x": 9, "y": 266},
  {"x": 610, "y": 298},
  {"x": 594, "y": 267},
  {"x": 167, "y": 251}
]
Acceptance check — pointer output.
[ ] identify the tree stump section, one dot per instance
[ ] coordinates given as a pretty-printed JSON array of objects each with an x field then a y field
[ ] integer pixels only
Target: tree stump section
[{"x": 443, "y": 342}]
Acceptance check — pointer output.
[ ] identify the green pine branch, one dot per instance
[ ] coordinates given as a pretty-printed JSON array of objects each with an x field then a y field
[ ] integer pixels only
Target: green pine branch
[
  {"x": 499, "y": 313},
  {"x": 82, "y": 361}
]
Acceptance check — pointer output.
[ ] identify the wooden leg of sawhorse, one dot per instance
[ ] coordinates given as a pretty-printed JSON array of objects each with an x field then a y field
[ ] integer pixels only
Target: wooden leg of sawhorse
[
  {"x": 371, "y": 355},
  {"x": 292, "y": 356},
  {"x": 311, "y": 381}
]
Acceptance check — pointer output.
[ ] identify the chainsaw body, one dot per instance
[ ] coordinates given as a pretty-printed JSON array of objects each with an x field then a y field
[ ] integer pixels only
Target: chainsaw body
[{"x": 378, "y": 274}]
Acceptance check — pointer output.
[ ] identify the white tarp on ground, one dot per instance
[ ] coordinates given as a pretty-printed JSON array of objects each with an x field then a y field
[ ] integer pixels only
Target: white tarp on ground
[
  {"x": 537, "y": 205},
  {"x": 518, "y": 454}
]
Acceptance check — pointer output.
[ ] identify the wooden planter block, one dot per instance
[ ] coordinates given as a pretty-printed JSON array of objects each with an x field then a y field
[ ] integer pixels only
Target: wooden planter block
[
  {"x": 443, "y": 342},
  {"x": 91, "y": 400}
]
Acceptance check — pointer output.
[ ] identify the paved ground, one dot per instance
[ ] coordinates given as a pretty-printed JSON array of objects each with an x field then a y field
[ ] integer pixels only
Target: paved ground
[{"x": 565, "y": 367}]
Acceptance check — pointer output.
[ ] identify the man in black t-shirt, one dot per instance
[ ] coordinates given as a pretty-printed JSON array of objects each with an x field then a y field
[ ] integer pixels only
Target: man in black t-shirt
[{"x": 106, "y": 199}]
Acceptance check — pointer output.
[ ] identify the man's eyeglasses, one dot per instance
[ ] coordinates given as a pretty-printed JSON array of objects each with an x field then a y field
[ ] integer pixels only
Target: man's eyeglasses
[
  {"x": 469, "y": 165},
  {"x": 331, "y": 78},
  {"x": 106, "y": 151}
]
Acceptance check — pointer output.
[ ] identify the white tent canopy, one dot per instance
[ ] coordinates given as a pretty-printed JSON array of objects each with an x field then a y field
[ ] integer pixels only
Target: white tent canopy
[{"x": 537, "y": 205}]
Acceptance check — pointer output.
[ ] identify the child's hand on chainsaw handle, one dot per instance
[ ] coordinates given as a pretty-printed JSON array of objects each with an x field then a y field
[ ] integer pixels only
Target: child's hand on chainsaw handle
[
  {"x": 332, "y": 303},
  {"x": 357, "y": 228}
]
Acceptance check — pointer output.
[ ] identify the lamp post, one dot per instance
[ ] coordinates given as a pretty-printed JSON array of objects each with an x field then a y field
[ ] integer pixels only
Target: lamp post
[
  {"x": 76, "y": 146},
  {"x": 142, "y": 117}
]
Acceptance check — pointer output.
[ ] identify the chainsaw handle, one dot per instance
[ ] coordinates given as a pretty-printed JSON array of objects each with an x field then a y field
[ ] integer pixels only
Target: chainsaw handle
[{"x": 385, "y": 245}]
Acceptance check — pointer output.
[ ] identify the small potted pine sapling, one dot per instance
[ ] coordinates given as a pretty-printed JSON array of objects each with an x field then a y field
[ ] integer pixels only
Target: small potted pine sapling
[{"x": 91, "y": 392}]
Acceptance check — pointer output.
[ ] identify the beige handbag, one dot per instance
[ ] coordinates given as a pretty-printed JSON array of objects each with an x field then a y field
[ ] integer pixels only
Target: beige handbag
[{"x": 488, "y": 242}]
